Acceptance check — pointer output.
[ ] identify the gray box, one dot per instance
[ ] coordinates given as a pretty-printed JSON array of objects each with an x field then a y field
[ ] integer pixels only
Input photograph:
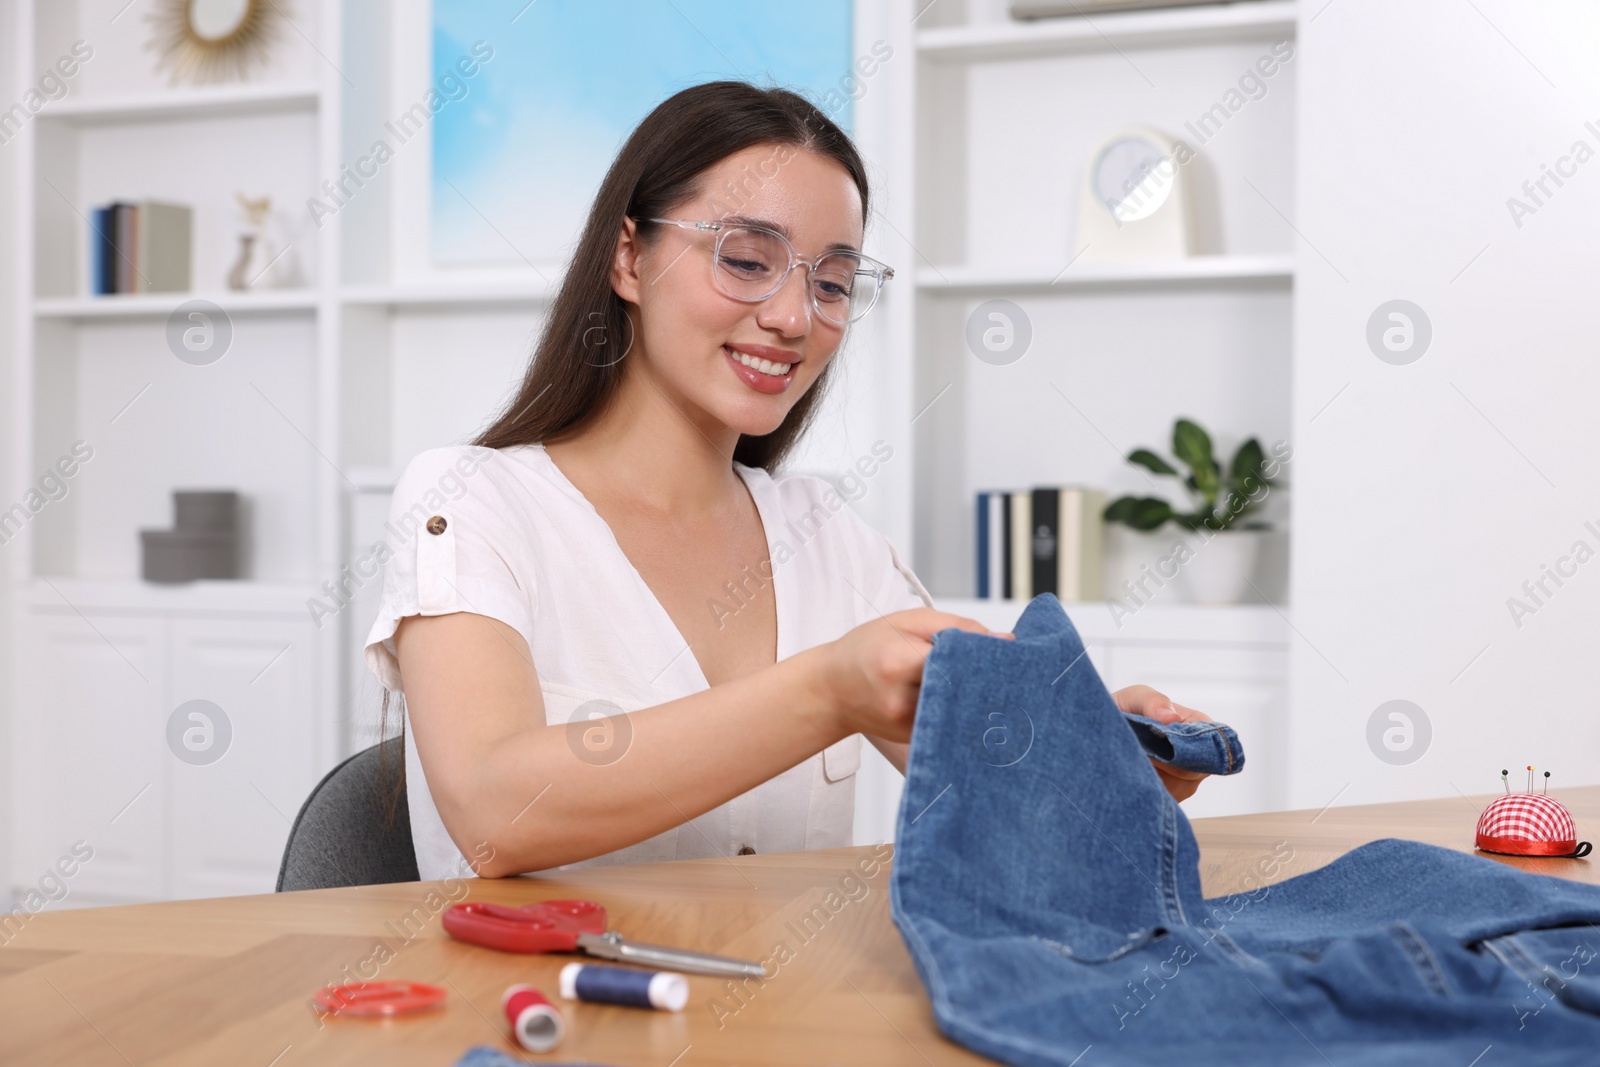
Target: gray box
[
  {"x": 206, "y": 543},
  {"x": 206, "y": 509},
  {"x": 188, "y": 555}
]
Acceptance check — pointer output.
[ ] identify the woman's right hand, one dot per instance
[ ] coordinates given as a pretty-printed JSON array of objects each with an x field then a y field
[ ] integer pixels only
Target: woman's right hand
[{"x": 872, "y": 676}]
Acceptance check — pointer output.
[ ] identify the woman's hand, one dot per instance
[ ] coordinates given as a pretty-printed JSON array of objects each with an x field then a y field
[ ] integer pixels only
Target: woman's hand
[
  {"x": 872, "y": 675},
  {"x": 1142, "y": 700}
]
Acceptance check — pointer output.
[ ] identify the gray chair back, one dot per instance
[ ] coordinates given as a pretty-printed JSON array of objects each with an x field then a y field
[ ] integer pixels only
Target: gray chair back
[{"x": 343, "y": 835}]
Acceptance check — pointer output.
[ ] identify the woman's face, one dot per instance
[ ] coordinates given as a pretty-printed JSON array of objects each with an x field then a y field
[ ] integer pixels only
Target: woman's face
[{"x": 691, "y": 334}]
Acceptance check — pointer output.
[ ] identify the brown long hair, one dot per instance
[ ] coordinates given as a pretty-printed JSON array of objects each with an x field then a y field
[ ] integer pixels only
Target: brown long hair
[{"x": 659, "y": 168}]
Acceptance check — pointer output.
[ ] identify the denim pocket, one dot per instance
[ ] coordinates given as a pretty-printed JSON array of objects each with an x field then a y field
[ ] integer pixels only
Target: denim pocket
[
  {"x": 1557, "y": 962},
  {"x": 1395, "y": 963}
]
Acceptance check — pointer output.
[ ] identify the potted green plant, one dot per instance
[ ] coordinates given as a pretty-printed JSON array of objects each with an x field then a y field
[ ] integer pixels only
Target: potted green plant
[{"x": 1218, "y": 566}]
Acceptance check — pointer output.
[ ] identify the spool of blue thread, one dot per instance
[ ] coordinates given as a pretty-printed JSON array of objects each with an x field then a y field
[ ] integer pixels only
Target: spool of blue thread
[{"x": 662, "y": 990}]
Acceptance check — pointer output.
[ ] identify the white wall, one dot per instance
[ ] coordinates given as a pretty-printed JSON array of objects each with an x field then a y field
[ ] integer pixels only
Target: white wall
[
  {"x": 9, "y": 91},
  {"x": 1427, "y": 493}
]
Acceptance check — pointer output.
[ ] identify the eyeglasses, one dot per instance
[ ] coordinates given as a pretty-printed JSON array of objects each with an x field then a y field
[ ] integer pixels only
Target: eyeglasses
[{"x": 751, "y": 263}]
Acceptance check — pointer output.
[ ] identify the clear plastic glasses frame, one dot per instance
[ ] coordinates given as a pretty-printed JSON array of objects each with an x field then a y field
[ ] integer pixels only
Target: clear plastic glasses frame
[{"x": 865, "y": 279}]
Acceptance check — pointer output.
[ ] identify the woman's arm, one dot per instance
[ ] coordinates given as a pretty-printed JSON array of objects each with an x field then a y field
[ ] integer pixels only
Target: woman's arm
[
  {"x": 499, "y": 776},
  {"x": 503, "y": 779}
]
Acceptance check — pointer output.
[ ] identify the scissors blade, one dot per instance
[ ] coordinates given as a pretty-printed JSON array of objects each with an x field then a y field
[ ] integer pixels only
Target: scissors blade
[{"x": 613, "y": 946}]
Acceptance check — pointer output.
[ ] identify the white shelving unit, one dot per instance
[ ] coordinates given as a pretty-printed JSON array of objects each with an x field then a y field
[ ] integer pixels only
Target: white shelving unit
[
  {"x": 1222, "y": 23},
  {"x": 326, "y": 392},
  {"x": 1193, "y": 270},
  {"x": 215, "y": 101},
  {"x": 104, "y": 659},
  {"x": 161, "y": 305},
  {"x": 532, "y": 293},
  {"x": 1002, "y": 116},
  {"x": 987, "y": 133}
]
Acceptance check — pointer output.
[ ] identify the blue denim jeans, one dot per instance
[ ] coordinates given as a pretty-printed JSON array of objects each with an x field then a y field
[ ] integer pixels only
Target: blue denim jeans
[{"x": 1047, "y": 887}]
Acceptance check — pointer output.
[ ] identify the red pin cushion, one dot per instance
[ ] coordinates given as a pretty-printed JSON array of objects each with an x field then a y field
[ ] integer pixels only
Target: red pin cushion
[{"x": 1529, "y": 824}]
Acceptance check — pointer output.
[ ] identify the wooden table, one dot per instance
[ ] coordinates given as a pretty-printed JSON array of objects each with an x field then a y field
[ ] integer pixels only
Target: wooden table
[{"x": 229, "y": 981}]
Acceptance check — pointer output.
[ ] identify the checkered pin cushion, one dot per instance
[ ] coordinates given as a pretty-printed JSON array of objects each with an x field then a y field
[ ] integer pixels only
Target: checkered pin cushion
[{"x": 1529, "y": 824}]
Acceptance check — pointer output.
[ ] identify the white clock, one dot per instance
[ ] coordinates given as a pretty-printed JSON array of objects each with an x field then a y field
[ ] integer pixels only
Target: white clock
[{"x": 1135, "y": 202}]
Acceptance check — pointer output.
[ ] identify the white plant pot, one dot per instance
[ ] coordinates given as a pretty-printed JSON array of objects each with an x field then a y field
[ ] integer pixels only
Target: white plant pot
[{"x": 1223, "y": 567}]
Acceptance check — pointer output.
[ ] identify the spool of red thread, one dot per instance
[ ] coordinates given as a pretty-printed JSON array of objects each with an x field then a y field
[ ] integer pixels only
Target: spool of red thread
[{"x": 535, "y": 1022}]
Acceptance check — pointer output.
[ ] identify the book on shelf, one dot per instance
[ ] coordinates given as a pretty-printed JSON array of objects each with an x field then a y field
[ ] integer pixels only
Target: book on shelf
[
  {"x": 1048, "y": 539},
  {"x": 1020, "y": 546},
  {"x": 141, "y": 247},
  {"x": 102, "y": 249},
  {"x": 125, "y": 216}
]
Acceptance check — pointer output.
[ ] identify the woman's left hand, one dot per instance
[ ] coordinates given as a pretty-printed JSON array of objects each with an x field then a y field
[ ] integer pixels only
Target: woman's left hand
[{"x": 1142, "y": 700}]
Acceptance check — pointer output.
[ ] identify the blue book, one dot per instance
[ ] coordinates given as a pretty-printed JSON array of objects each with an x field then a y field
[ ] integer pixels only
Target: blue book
[
  {"x": 102, "y": 250},
  {"x": 983, "y": 545}
]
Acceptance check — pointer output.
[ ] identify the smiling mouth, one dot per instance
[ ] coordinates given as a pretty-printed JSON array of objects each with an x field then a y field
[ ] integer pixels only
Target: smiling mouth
[{"x": 764, "y": 366}]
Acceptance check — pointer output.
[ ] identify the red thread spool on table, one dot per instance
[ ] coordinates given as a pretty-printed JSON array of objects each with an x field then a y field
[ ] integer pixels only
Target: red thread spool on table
[{"x": 535, "y": 1022}]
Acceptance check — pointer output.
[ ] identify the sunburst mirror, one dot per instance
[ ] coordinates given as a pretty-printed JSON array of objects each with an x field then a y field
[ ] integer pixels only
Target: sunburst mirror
[{"x": 214, "y": 40}]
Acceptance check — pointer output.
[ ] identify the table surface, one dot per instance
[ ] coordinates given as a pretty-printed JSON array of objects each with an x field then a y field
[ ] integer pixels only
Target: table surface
[{"x": 230, "y": 980}]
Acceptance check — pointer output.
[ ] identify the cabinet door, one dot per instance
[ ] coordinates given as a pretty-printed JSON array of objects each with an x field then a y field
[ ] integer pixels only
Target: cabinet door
[
  {"x": 1243, "y": 686},
  {"x": 90, "y": 757},
  {"x": 256, "y": 750}
]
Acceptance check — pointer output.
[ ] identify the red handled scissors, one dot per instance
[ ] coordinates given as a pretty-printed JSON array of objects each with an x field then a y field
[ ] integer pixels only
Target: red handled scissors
[{"x": 576, "y": 926}]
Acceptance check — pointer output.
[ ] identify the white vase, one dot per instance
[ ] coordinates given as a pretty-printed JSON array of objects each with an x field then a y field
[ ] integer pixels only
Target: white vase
[
  {"x": 1223, "y": 567},
  {"x": 266, "y": 258}
]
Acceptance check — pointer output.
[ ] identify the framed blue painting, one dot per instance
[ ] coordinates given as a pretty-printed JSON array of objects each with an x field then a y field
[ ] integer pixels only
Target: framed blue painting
[{"x": 519, "y": 153}]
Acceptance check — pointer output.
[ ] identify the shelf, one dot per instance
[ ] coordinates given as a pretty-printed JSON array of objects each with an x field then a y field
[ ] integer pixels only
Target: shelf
[
  {"x": 155, "y": 305},
  {"x": 221, "y": 101},
  {"x": 1243, "y": 21},
  {"x": 131, "y": 596},
  {"x": 372, "y": 479},
  {"x": 530, "y": 293},
  {"x": 1195, "y": 269},
  {"x": 1229, "y": 624}
]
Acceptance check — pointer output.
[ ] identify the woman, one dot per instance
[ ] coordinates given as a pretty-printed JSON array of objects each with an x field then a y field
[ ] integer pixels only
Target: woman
[{"x": 620, "y": 637}]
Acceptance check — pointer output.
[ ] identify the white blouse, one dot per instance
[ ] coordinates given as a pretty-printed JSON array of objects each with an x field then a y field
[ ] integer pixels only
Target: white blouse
[{"x": 503, "y": 533}]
